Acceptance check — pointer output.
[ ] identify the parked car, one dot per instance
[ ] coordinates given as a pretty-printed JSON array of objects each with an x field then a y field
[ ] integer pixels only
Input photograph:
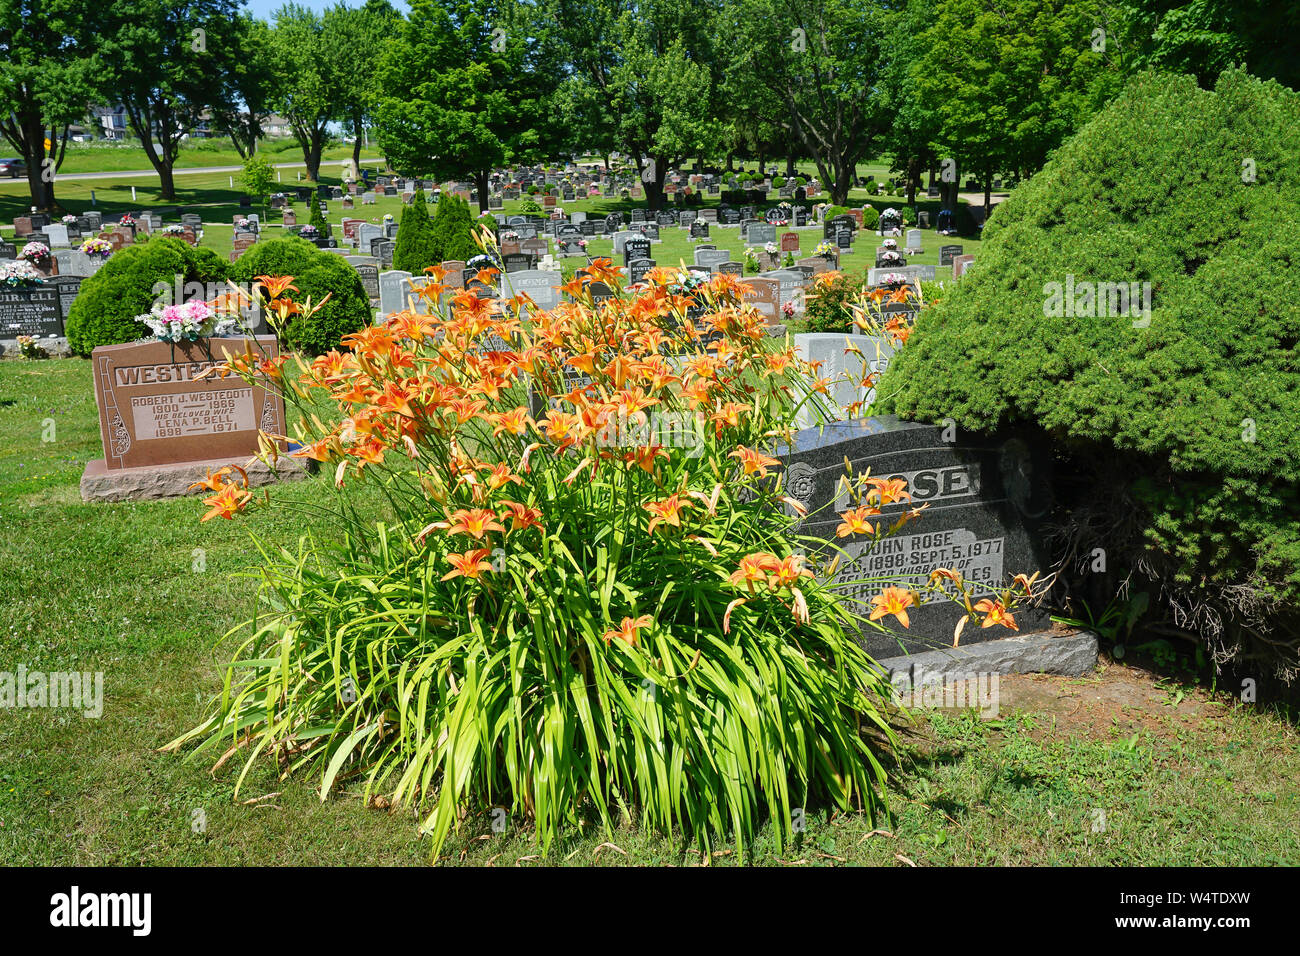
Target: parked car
[{"x": 13, "y": 168}]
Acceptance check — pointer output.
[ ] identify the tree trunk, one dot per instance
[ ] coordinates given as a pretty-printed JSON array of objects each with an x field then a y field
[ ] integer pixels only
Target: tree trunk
[
  {"x": 481, "y": 184},
  {"x": 40, "y": 184},
  {"x": 988, "y": 194},
  {"x": 358, "y": 126},
  {"x": 311, "y": 144},
  {"x": 790, "y": 171},
  {"x": 842, "y": 183},
  {"x": 731, "y": 162},
  {"x": 913, "y": 178},
  {"x": 167, "y": 181}
]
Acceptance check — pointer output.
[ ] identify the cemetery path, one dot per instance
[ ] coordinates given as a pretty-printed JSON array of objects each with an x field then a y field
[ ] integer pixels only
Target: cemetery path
[{"x": 195, "y": 170}]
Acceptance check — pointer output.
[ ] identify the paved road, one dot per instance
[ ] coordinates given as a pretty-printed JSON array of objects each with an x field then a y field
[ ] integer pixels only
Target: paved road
[{"x": 137, "y": 173}]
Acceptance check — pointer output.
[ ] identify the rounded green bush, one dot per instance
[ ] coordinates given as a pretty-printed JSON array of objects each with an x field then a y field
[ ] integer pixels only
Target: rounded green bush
[
  {"x": 870, "y": 217},
  {"x": 129, "y": 284},
  {"x": 316, "y": 273},
  {"x": 1190, "y": 198}
]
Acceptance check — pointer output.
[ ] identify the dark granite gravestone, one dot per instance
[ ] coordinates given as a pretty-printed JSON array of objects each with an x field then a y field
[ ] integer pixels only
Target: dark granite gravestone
[
  {"x": 599, "y": 292},
  {"x": 8, "y": 250},
  {"x": 699, "y": 229},
  {"x": 34, "y": 312},
  {"x": 728, "y": 217},
  {"x": 518, "y": 262},
  {"x": 587, "y": 228},
  {"x": 843, "y": 236},
  {"x": 635, "y": 248},
  {"x": 885, "y": 261},
  {"x": 800, "y": 216},
  {"x": 986, "y": 497},
  {"x": 948, "y": 253},
  {"x": 638, "y": 268},
  {"x": 67, "y": 286},
  {"x": 369, "y": 273}
]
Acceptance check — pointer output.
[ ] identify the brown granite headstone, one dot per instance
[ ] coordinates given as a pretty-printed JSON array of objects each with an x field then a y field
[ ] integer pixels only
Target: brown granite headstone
[
  {"x": 766, "y": 295},
  {"x": 818, "y": 264},
  {"x": 154, "y": 410},
  {"x": 789, "y": 242},
  {"x": 960, "y": 264},
  {"x": 163, "y": 428},
  {"x": 454, "y": 278}
]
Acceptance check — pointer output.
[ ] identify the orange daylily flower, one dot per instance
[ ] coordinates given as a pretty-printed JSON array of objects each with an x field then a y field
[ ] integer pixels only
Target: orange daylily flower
[
  {"x": 995, "y": 612},
  {"x": 886, "y": 491},
  {"x": 226, "y": 502},
  {"x": 667, "y": 511},
  {"x": 275, "y": 286},
  {"x": 476, "y": 522},
  {"x": 627, "y": 631},
  {"x": 855, "y": 521},
  {"x": 470, "y": 564},
  {"x": 789, "y": 570},
  {"x": 893, "y": 601},
  {"x": 754, "y": 568},
  {"x": 521, "y": 516},
  {"x": 753, "y": 461}
]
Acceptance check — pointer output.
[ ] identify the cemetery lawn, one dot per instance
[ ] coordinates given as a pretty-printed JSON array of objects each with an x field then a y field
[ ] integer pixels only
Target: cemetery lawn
[
  {"x": 1183, "y": 776},
  {"x": 212, "y": 196},
  {"x": 104, "y": 158}
]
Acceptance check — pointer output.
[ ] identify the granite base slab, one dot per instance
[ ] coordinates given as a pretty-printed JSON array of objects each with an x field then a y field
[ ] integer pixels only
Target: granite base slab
[
  {"x": 152, "y": 482},
  {"x": 1072, "y": 654}
]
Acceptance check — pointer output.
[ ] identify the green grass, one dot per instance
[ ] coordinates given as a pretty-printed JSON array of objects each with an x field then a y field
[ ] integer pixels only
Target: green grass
[
  {"x": 130, "y": 156},
  {"x": 212, "y": 196},
  {"x": 1184, "y": 779}
]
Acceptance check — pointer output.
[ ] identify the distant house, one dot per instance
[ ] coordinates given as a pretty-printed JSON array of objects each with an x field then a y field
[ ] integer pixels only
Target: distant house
[
  {"x": 110, "y": 121},
  {"x": 275, "y": 126}
]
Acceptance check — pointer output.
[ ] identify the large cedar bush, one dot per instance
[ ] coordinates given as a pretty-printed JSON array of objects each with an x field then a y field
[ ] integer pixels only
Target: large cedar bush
[{"x": 1186, "y": 426}]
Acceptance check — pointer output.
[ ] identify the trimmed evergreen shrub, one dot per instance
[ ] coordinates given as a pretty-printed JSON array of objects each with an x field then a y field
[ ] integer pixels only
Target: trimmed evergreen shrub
[
  {"x": 315, "y": 273},
  {"x": 1184, "y": 418},
  {"x": 416, "y": 246},
  {"x": 124, "y": 287},
  {"x": 317, "y": 218},
  {"x": 453, "y": 229},
  {"x": 870, "y": 217}
]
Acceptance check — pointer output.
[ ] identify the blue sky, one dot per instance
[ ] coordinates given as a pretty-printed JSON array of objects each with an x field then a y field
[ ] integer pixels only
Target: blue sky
[{"x": 265, "y": 8}]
